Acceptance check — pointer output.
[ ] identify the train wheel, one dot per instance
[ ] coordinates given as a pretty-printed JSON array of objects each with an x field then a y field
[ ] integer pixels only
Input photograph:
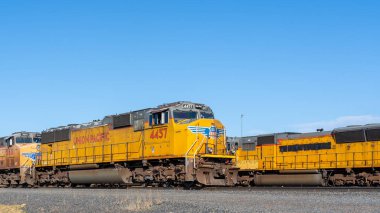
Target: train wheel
[
  {"x": 167, "y": 184},
  {"x": 191, "y": 185},
  {"x": 188, "y": 185}
]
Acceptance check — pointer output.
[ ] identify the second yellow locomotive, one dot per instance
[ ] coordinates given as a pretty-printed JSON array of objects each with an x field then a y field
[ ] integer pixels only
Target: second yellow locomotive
[{"x": 344, "y": 156}]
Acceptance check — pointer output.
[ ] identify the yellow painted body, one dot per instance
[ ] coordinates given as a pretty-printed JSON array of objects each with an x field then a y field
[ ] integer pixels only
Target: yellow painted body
[
  {"x": 102, "y": 144},
  {"x": 340, "y": 156},
  {"x": 19, "y": 157},
  {"x": 28, "y": 154}
]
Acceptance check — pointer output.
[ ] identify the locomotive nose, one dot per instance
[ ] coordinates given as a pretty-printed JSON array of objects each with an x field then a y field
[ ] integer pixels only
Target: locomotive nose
[{"x": 215, "y": 137}]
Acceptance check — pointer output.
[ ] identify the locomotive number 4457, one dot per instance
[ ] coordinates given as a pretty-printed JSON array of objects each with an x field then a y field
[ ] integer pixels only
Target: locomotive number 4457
[{"x": 159, "y": 133}]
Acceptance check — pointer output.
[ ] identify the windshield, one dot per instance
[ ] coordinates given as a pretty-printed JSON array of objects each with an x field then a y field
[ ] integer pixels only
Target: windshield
[
  {"x": 207, "y": 115},
  {"x": 23, "y": 140},
  {"x": 181, "y": 116},
  {"x": 37, "y": 140}
]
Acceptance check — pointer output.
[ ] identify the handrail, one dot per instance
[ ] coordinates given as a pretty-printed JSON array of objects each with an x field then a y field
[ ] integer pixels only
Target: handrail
[
  {"x": 364, "y": 159},
  {"x": 225, "y": 139},
  {"x": 61, "y": 159},
  {"x": 191, "y": 147},
  {"x": 198, "y": 149}
]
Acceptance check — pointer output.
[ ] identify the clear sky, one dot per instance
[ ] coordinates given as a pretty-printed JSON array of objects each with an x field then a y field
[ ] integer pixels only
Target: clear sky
[{"x": 285, "y": 65}]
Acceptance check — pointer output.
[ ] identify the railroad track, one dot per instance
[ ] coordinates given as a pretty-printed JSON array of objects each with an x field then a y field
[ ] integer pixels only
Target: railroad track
[{"x": 261, "y": 188}]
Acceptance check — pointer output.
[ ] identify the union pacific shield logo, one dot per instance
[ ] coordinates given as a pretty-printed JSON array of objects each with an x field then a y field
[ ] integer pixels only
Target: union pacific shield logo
[
  {"x": 213, "y": 132},
  {"x": 207, "y": 131},
  {"x": 31, "y": 155}
]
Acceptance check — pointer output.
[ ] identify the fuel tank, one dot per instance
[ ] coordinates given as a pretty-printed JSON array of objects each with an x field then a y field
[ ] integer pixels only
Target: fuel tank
[
  {"x": 101, "y": 176},
  {"x": 289, "y": 180}
]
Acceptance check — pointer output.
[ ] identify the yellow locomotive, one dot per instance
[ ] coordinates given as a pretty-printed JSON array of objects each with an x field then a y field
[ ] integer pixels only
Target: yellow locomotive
[
  {"x": 18, "y": 153},
  {"x": 173, "y": 144},
  {"x": 344, "y": 156}
]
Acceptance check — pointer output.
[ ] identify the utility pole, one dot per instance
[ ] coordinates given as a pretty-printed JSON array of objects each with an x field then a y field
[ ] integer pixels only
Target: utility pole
[{"x": 241, "y": 125}]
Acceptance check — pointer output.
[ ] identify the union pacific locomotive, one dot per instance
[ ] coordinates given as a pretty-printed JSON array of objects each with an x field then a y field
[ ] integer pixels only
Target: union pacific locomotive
[
  {"x": 17, "y": 157},
  {"x": 173, "y": 144},
  {"x": 182, "y": 144},
  {"x": 342, "y": 157}
]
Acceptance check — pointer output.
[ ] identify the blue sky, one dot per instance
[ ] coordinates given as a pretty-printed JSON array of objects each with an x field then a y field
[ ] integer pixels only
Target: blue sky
[{"x": 286, "y": 65}]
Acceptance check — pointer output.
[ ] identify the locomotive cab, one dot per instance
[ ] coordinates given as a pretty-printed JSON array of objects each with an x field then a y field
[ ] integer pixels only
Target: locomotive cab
[
  {"x": 22, "y": 138},
  {"x": 200, "y": 139}
]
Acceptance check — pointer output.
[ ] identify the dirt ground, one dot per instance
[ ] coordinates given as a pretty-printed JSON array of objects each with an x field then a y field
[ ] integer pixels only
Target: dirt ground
[{"x": 179, "y": 200}]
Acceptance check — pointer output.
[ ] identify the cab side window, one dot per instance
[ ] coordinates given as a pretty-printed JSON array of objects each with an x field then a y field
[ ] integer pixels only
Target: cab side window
[
  {"x": 159, "y": 118},
  {"x": 10, "y": 141}
]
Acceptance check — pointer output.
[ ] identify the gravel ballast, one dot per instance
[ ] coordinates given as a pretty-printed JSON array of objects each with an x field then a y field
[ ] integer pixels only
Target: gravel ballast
[{"x": 206, "y": 200}]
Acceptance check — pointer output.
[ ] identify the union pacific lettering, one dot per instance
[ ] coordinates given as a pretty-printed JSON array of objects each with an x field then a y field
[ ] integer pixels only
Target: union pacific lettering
[{"x": 92, "y": 138}]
